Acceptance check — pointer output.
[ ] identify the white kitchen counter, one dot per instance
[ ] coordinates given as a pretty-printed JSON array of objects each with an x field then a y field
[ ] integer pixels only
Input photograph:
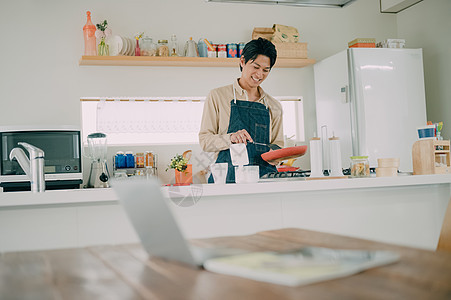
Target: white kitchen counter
[
  {"x": 92, "y": 196},
  {"x": 406, "y": 210}
]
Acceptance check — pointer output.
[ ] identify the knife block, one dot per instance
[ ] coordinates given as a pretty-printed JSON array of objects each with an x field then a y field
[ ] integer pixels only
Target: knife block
[{"x": 425, "y": 156}]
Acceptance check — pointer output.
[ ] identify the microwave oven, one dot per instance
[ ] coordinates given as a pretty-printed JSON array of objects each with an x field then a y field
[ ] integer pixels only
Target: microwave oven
[{"x": 62, "y": 156}]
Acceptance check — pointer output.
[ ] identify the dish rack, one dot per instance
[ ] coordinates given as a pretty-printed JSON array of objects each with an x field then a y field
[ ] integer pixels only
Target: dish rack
[{"x": 431, "y": 157}]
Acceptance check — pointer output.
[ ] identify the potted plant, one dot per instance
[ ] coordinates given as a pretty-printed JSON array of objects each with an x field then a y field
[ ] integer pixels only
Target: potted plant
[{"x": 183, "y": 170}]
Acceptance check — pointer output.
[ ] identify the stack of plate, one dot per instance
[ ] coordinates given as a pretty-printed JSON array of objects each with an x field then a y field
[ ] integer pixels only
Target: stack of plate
[{"x": 119, "y": 45}]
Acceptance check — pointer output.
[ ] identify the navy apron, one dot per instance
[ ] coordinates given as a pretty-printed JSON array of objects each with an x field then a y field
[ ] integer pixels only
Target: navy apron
[{"x": 254, "y": 117}]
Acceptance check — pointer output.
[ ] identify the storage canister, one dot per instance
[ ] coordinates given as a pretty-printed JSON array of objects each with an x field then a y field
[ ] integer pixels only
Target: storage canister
[
  {"x": 119, "y": 160},
  {"x": 163, "y": 49},
  {"x": 360, "y": 166},
  {"x": 148, "y": 47},
  {"x": 129, "y": 159}
]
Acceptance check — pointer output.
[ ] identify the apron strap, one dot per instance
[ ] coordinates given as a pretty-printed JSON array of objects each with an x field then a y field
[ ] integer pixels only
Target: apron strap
[{"x": 247, "y": 97}]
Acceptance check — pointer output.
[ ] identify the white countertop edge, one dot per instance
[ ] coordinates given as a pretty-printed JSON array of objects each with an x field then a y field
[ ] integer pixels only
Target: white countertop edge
[{"x": 93, "y": 196}]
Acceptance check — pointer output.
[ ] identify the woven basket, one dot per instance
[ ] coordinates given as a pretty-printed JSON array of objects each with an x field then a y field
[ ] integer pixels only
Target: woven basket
[{"x": 291, "y": 50}]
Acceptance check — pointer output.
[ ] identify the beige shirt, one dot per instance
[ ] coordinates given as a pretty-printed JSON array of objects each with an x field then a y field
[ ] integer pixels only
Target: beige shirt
[{"x": 213, "y": 136}]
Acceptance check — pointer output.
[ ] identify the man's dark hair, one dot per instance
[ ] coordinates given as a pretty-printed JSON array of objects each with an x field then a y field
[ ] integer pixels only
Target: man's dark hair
[{"x": 258, "y": 47}]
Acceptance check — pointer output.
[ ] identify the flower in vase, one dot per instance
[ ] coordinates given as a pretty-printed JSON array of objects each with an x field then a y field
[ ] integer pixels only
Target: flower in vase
[
  {"x": 101, "y": 33},
  {"x": 178, "y": 163}
]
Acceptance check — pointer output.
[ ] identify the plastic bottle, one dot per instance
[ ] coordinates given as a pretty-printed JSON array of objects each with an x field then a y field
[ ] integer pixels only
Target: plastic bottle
[
  {"x": 173, "y": 46},
  {"x": 89, "y": 31}
]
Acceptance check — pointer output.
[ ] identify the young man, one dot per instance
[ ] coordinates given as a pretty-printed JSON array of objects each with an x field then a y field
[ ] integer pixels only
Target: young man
[{"x": 243, "y": 113}]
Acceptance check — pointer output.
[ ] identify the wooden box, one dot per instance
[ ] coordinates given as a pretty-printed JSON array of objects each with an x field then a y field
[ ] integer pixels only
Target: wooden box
[{"x": 426, "y": 157}]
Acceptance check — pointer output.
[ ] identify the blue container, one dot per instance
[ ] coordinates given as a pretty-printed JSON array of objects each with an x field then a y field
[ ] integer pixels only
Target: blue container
[
  {"x": 129, "y": 160},
  {"x": 202, "y": 47},
  {"x": 426, "y": 132},
  {"x": 240, "y": 49},
  {"x": 232, "y": 50},
  {"x": 119, "y": 160}
]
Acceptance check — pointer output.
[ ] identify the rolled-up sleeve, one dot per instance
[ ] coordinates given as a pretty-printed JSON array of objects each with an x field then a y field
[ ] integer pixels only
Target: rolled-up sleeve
[{"x": 210, "y": 139}]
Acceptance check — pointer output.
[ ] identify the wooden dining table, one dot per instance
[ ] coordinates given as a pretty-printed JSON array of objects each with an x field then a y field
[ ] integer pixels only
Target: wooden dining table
[{"x": 127, "y": 272}]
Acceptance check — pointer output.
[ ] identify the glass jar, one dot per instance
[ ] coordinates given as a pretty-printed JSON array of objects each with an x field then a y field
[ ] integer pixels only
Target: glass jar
[
  {"x": 360, "y": 166},
  {"x": 163, "y": 49},
  {"x": 140, "y": 160},
  {"x": 148, "y": 47}
]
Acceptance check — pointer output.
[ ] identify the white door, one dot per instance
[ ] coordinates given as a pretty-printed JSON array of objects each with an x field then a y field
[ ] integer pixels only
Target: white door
[
  {"x": 332, "y": 105},
  {"x": 388, "y": 89}
]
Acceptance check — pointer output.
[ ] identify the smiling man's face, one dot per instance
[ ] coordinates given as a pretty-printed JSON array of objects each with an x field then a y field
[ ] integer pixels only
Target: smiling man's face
[{"x": 254, "y": 71}]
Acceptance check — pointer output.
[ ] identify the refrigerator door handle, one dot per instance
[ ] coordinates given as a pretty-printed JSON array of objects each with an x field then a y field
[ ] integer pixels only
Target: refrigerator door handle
[
  {"x": 344, "y": 94},
  {"x": 353, "y": 105}
]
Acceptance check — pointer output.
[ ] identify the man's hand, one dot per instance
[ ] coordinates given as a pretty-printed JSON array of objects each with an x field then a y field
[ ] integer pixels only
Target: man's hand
[{"x": 241, "y": 136}]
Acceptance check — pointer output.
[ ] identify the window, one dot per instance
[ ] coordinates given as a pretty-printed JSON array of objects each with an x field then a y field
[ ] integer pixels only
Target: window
[{"x": 135, "y": 121}]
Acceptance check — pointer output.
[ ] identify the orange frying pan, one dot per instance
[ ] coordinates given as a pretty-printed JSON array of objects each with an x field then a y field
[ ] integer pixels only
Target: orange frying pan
[{"x": 279, "y": 155}]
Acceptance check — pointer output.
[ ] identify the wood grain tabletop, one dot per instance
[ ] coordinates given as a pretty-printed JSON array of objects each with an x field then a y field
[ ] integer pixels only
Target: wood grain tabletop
[{"x": 126, "y": 272}]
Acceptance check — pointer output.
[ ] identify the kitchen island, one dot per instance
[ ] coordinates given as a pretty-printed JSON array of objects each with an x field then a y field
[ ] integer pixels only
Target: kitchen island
[{"x": 403, "y": 210}]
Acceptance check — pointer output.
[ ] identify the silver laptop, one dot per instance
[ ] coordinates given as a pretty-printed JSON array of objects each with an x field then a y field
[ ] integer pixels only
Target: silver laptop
[{"x": 157, "y": 227}]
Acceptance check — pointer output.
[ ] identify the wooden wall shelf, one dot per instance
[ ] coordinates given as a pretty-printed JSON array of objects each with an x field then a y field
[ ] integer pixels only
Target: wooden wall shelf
[{"x": 183, "y": 61}]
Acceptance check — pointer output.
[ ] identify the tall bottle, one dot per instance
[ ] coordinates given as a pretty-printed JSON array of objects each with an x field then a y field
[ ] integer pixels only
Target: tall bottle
[
  {"x": 173, "y": 46},
  {"x": 89, "y": 31}
]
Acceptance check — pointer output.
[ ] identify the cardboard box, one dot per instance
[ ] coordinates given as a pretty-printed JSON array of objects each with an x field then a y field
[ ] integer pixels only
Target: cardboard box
[
  {"x": 362, "y": 41},
  {"x": 363, "y": 45},
  {"x": 263, "y": 32}
]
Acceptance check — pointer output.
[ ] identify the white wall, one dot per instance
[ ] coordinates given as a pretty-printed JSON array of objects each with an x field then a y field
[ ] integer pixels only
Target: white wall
[
  {"x": 41, "y": 44},
  {"x": 427, "y": 25}
]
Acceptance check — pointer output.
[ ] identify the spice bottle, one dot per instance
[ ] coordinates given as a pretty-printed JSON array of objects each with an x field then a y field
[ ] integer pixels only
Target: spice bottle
[
  {"x": 163, "y": 49},
  {"x": 140, "y": 160},
  {"x": 173, "y": 46},
  {"x": 89, "y": 31}
]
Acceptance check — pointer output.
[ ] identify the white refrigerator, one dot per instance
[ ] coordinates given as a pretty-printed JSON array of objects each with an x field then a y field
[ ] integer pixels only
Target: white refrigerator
[{"x": 373, "y": 100}]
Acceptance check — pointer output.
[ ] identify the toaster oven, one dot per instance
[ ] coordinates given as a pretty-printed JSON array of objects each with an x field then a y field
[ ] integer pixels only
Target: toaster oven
[{"x": 62, "y": 156}]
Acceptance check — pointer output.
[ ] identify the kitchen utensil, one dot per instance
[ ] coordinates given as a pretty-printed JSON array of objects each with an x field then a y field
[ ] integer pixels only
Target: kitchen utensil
[
  {"x": 219, "y": 172},
  {"x": 97, "y": 150},
  {"x": 191, "y": 48},
  {"x": 277, "y": 156}
]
